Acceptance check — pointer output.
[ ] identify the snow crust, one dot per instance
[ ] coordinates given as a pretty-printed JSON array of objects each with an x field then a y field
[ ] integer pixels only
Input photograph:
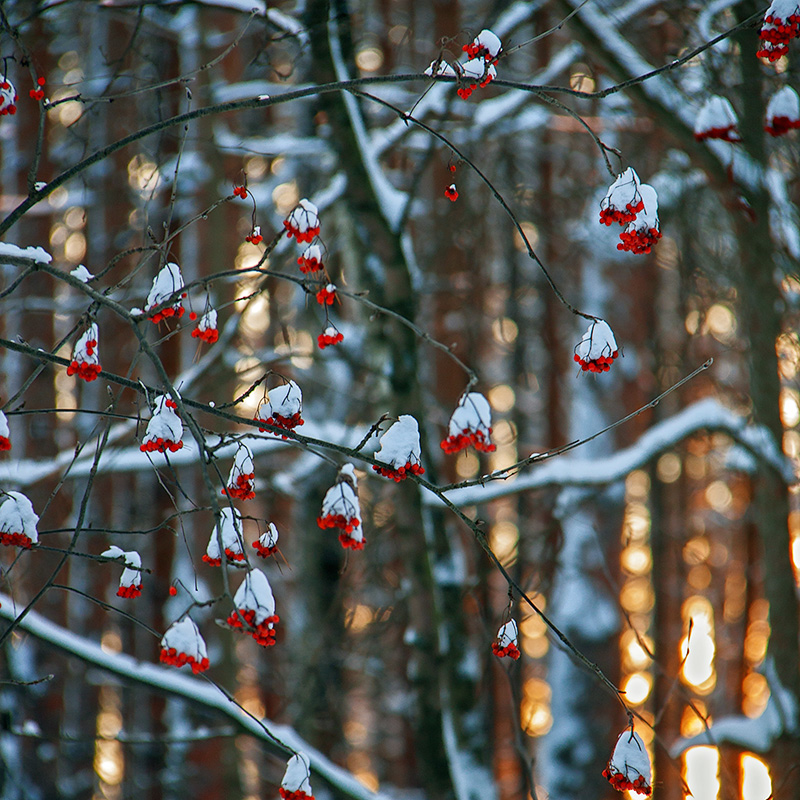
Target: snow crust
[
  {"x": 630, "y": 757},
  {"x": 716, "y": 113},
  {"x": 784, "y": 103},
  {"x": 4, "y": 432},
  {"x": 168, "y": 281},
  {"x": 164, "y": 424},
  {"x": 400, "y": 444},
  {"x": 270, "y": 536}
]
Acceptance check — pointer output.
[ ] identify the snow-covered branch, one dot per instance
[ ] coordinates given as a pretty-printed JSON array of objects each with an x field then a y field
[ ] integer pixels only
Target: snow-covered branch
[{"x": 705, "y": 415}]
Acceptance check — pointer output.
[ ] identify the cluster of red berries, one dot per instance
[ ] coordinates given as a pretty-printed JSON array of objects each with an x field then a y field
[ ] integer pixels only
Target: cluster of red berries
[
  {"x": 777, "y": 33},
  {"x": 240, "y": 191},
  {"x": 5, "y": 443},
  {"x": 209, "y": 335},
  {"x": 262, "y": 633},
  {"x": 279, "y": 421},
  {"x": 599, "y": 364},
  {"x": 169, "y": 311},
  {"x": 129, "y": 591},
  {"x": 298, "y": 795},
  {"x": 326, "y": 295},
  {"x": 264, "y": 552},
  {"x": 338, "y": 521},
  {"x": 172, "y": 657},
  {"x": 401, "y": 473},
  {"x": 255, "y": 237},
  {"x": 510, "y": 650},
  {"x": 460, "y": 441},
  {"x": 217, "y": 562},
  {"x": 160, "y": 445},
  {"x": 84, "y": 370},
  {"x": 348, "y": 542},
  {"x": 243, "y": 489},
  {"x": 310, "y": 264},
  {"x": 622, "y": 216},
  {"x": 38, "y": 94},
  {"x": 326, "y": 339},
  {"x": 639, "y": 241},
  {"x": 622, "y": 782},
  {"x": 16, "y": 540}
]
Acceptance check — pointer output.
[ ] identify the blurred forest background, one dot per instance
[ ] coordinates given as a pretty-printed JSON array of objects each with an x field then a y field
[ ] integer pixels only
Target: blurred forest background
[{"x": 683, "y": 519}]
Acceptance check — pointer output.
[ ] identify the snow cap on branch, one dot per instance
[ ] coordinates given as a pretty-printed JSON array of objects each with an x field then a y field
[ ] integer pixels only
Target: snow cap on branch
[
  {"x": 8, "y": 98},
  {"x": 17, "y": 521},
  {"x": 130, "y": 582},
  {"x": 241, "y": 479},
  {"x": 183, "y": 644},
  {"x": 303, "y": 222},
  {"x": 629, "y": 766},
  {"x": 311, "y": 259},
  {"x": 296, "y": 783},
  {"x": 470, "y": 424},
  {"x": 505, "y": 645},
  {"x": 598, "y": 348},
  {"x": 282, "y": 408},
  {"x": 267, "y": 543},
  {"x": 716, "y": 120},
  {"x": 622, "y": 201},
  {"x": 781, "y": 25},
  {"x": 644, "y": 232},
  {"x": 5, "y": 433},
  {"x": 783, "y": 112},
  {"x": 231, "y": 535},
  {"x": 479, "y": 70},
  {"x": 165, "y": 429},
  {"x": 400, "y": 449},
  {"x": 254, "y": 602},
  {"x": 206, "y": 329},
  {"x": 82, "y": 274},
  {"x": 440, "y": 68},
  {"x": 168, "y": 281},
  {"x": 340, "y": 509},
  {"x": 486, "y": 45},
  {"x": 86, "y": 355}
]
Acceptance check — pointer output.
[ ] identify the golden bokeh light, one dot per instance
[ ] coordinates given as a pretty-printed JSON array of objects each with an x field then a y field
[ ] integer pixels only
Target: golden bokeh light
[
  {"x": 701, "y": 772},
  {"x": 756, "y": 781}
]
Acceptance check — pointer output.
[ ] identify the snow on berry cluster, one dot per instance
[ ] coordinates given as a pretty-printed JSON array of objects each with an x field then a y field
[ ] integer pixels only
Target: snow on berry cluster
[
  {"x": 5, "y": 433},
  {"x": 8, "y": 98},
  {"x": 717, "y": 120},
  {"x": 166, "y": 288},
  {"x": 17, "y": 521},
  {"x": 505, "y": 644},
  {"x": 470, "y": 424},
  {"x": 255, "y": 605},
  {"x": 597, "y": 349},
  {"x": 130, "y": 582},
  {"x": 230, "y": 532},
  {"x": 781, "y": 25},
  {"x": 206, "y": 329},
  {"x": 400, "y": 450},
  {"x": 629, "y": 766},
  {"x": 296, "y": 783},
  {"x": 267, "y": 543},
  {"x": 86, "y": 357},
  {"x": 241, "y": 479},
  {"x": 282, "y": 407},
  {"x": 341, "y": 509},
  {"x": 479, "y": 70},
  {"x": 165, "y": 429},
  {"x": 783, "y": 112},
  {"x": 182, "y": 644},
  {"x": 634, "y": 205}
]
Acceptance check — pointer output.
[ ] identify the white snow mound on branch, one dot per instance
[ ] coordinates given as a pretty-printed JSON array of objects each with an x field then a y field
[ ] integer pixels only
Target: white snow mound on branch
[
  {"x": 185, "y": 637},
  {"x": 37, "y": 254},
  {"x": 508, "y": 634},
  {"x": 82, "y": 274},
  {"x": 255, "y": 594}
]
